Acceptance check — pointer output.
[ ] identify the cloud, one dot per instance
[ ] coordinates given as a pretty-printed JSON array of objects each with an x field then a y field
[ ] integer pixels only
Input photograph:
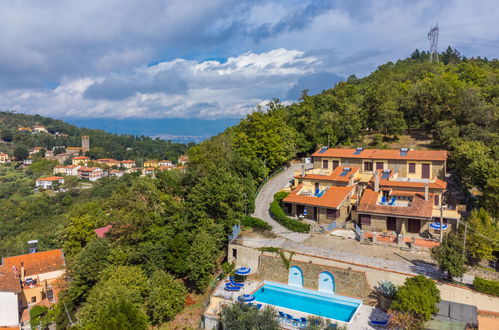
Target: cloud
[{"x": 92, "y": 58}]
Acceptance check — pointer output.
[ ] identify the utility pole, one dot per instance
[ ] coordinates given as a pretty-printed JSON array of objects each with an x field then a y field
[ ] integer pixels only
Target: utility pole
[
  {"x": 433, "y": 37},
  {"x": 464, "y": 241},
  {"x": 441, "y": 220}
]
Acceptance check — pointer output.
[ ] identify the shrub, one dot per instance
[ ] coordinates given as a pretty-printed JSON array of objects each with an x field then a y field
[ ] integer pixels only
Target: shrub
[
  {"x": 279, "y": 196},
  {"x": 486, "y": 286},
  {"x": 255, "y": 223},
  {"x": 387, "y": 289},
  {"x": 35, "y": 314},
  {"x": 418, "y": 296},
  {"x": 404, "y": 321},
  {"x": 278, "y": 215}
]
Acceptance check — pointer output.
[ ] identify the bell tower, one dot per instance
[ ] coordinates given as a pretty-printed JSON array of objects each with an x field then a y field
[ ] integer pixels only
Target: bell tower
[{"x": 85, "y": 143}]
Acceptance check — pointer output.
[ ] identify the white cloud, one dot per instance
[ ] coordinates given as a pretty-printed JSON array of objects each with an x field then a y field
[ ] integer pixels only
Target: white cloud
[{"x": 212, "y": 89}]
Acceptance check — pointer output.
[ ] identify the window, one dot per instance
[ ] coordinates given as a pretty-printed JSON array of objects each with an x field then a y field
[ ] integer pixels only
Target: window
[
  {"x": 368, "y": 166},
  {"x": 425, "y": 171},
  {"x": 437, "y": 200},
  {"x": 336, "y": 163},
  {"x": 331, "y": 214},
  {"x": 325, "y": 163},
  {"x": 379, "y": 165},
  {"x": 33, "y": 299},
  {"x": 234, "y": 253},
  {"x": 412, "y": 167},
  {"x": 365, "y": 219},
  {"x": 391, "y": 223}
]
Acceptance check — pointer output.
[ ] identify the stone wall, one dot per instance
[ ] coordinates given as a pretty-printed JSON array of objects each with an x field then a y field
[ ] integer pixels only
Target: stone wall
[{"x": 347, "y": 282}]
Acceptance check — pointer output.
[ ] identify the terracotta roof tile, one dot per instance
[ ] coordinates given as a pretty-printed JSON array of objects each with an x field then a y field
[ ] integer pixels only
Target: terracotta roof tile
[
  {"x": 418, "y": 208},
  {"x": 37, "y": 263},
  {"x": 50, "y": 178},
  {"x": 9, "y": 282},
  {"x": 81, "y": 158},
  {"x": 335, "y": 175},
  {"x": 332, "y": 198},
  {"x": 440, "y": 155}
]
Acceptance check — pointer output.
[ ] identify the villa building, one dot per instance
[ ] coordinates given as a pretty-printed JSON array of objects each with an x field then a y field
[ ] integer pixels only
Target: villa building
[
  {"x": 90, "y": 173},
  {"x": 108, "y": 161},
  {"x": 81, "y": 160},
  {"x": 165, "y": 163},
  {"x": 39, "y": 129},
  {"x": 151, "y": 163},
  {"x": 48, "y": 182},
  {"x": 74, "y": 150},
  {"x": 389, "y": 191},
  {"x": 4, "y": 158},
  {"x": 128, "y": 164},
  {"x": 116, "y": 173},
  {"x": 182, "y": 160}
]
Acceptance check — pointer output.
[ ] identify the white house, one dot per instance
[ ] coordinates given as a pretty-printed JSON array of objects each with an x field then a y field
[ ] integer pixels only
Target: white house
[
  {"x": 10, "y": 288},
  {"x": 46, "y": 183},
  {"x": 165, "y": 163},
  {"x": 4, "y": 158},
  {"x": 71, "y": 170}
]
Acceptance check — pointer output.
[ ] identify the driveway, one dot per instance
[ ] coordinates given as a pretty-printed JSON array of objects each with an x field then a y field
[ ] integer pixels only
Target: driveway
[{"x": 266, "y": 196}]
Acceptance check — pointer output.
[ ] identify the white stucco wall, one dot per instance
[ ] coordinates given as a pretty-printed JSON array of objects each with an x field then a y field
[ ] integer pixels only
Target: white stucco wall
[{"x": 9, "y": 312}]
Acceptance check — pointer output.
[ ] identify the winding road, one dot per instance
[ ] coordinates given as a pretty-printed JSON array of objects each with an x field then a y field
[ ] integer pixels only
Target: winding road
[{"x": 266, "y": 196}]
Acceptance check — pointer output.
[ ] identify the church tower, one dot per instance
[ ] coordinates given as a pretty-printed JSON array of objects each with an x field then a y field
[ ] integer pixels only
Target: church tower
[{"x": 85, "y": 143}]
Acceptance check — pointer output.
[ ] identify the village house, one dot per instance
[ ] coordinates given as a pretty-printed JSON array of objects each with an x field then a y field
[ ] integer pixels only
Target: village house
[
  {"x": 61, "y": 158},
  {"x": 108, "y": 161},
  {"x": 39, "y": 129},
  {"x": 90, "y": 173},
  {"x": 166, "y": 167},
  {"x": 81, "y": 160},
  {"x": 4, "y": 158},
  {"x": 128, "y": 164},
  {"x": 35, "y": 150},
  {"x": 74, "y": 150},
  {"x": 148, "y": 171},
  {"x": 151, "y": 163},
  {"x": 10, "y": 290},
  {"x": 182, "y": 160},
  {"x": 134, "y": 170},
  {"x": 28, "y": 162},
  {"x": 386, "y": 191},
  {"x": 24, "y": 129},
  {"x": 70, "y": 170},
  {"x": 165, "y": 163},
  {"x": 37, "y": 273},
  {"x": 59, "y": 169},
  {"x": 49, "y": 182},
  {"x": 116, "y": 173}
]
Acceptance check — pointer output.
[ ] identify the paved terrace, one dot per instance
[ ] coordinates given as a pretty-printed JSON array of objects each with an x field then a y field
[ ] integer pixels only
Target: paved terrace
[{"x": 266, "y": 196}]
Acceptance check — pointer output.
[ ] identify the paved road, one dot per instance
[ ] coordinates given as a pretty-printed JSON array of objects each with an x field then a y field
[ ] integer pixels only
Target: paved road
[{"x": 266, "y": 196}]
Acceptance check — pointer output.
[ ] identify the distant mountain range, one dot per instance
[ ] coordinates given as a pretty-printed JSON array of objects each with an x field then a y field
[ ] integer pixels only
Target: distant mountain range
[{"x": 175, "y": 129}]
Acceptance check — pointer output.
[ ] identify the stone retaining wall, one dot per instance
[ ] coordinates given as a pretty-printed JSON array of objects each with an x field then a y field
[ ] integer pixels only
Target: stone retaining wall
[{"x": 347, "y": 282}]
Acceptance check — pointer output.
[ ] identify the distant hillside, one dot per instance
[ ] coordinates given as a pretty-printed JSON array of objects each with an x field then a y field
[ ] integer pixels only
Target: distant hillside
[{"x": 102, "y": 144}]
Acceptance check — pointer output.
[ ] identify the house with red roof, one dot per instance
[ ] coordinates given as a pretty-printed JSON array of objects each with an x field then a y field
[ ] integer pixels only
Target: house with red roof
[
  {"x": 394, "y": 191},
  {"x": 49, "y": 182},
  {"x": 81, "y": 160},
  {"x": 10, "y": 289},
  {"x": 90, "y": 173}
]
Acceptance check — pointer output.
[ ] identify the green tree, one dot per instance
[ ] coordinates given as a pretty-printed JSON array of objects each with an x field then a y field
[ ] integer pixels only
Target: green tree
[
  {"x": 118, "y": 314},
  {"x": 449, "y": 254},
  {"x": 71, "y": 183},
  {"x": 389, "y": 120},
  {"x": 240, "y": 316},
  {"x": 482, "y": 236},
  {"x": 202, "y": 258},
  {"x": 21, "y": 153},
  {"x": 166, "y": 297},
  {"x": 418, "y": 296}
]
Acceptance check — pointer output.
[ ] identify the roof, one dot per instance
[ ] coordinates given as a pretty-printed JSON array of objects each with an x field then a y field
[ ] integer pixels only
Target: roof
[
  {"x": 332, "y": 198},
  {"x": 102, "y": 231},
  {"x": 151, "y": 161},
  {"x": 73, "y": 148},
  {"x": 72, "y": 166},
  {"x": 128, "y": 161},
  {"x": 439, "y": 155},
  {"x": 50, "y": 178},
  {"x": 336, "y": 175},
  {"x": 165, "y": 161},
  {"x": 419, "y": 207},
  {"x": 438, "y": 184},
  {"x": 89, "y": 169},
  {"x": 183, "y": 157},
  {"x": 8, "y": 280},
  {"x": 38, "y": 262},
  {"x": 81, "y": 157},
  {"x": 452, "y": 311},
  {"x": 116, "y": 171}
]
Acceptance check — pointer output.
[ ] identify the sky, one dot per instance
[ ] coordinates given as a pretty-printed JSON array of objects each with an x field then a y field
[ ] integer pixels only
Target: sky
[{"x": 212, "y": 59}]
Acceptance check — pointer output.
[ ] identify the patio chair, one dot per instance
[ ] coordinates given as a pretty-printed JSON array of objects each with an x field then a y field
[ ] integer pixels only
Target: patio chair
[
  {"x": 392, "y": 201},
  {"x": 375, "y": 323},
  {"x": 289, "y": 318},
  {"x": 282, "y": 315},
  {"x": 229, "y": 287},
  {"x": 234, "y": 283},
  {"x": 303, "y": 321},
  {"x": 258, "y": 306}
]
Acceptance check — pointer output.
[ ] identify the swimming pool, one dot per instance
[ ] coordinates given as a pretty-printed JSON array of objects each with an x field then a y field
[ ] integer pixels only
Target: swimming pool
[{"x": 309, "y": 301}]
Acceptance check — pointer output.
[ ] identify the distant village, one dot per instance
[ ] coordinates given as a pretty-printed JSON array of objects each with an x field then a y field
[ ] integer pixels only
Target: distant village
[{"x": 85, "y": 168}]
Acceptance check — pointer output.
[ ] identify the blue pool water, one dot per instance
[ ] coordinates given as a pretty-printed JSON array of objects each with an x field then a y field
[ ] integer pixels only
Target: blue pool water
[{"x": 313, "y": 302}]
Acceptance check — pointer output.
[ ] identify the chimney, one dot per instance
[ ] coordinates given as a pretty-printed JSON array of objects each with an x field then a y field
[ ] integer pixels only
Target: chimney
[
  {"x": 426, "y": 188},
  {"x": 302, "y": 171},
  {"x": 376, "y": 181},
  {"x": 22, "y": 271}
]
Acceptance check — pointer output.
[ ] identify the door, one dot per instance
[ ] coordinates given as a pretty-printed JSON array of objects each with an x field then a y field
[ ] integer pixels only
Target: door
[
  {"x": 316, "y": 214},
  {"x": 336, "y": 163},
  {"x": 300, "y": 209},
  {"x": 414, "y": 225},
  {"x": 325, "y": 164},
  {"x": 391, "y": 223},
  {"x": 425, "y": 171}
]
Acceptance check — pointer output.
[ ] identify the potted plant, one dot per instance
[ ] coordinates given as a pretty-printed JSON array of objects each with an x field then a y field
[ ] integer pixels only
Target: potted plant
[{"x": 386, "y": 292}]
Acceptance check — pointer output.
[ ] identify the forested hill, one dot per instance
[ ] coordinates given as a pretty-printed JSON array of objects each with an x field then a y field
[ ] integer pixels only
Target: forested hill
[
  {"x": 103, "y": 144},
  {"x": 169, "y": 233}
]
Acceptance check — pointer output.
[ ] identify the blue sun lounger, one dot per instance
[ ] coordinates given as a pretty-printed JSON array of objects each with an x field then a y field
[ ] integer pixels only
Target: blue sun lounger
[
  {"x": 379, "y": 323},
  {"x": 229, "y": 287},
  {"x": 234, "y": 283}
]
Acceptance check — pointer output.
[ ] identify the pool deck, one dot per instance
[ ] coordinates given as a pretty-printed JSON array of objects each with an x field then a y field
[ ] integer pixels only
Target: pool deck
[{"x": 221, "y": 297}]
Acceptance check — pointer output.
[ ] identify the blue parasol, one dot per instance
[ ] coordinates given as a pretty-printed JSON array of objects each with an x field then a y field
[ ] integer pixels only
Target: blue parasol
[
  {"x": 436, "y": 225},
  {"x": 243, "y": 271}
]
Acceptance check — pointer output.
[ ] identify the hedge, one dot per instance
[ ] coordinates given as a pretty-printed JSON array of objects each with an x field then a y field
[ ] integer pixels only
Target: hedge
[
  {"x": 255, "y": 223},
  {"x": 280, "y": 216},
  {"x": 486, "y": 286}
]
